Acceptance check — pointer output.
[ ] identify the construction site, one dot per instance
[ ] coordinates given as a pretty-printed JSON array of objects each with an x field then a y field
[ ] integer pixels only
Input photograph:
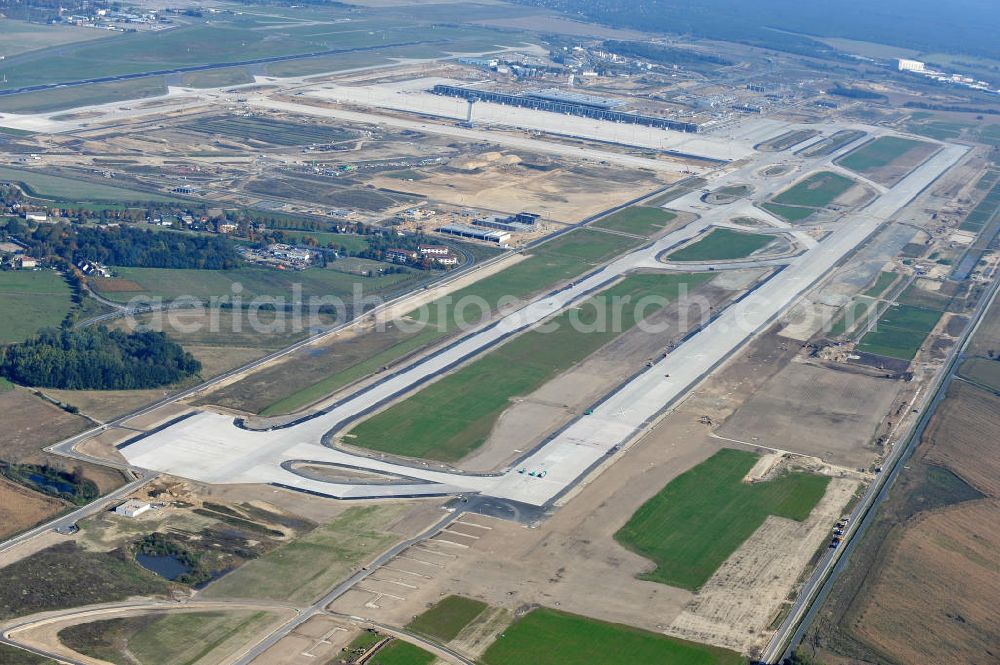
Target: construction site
[{"x": 795, "y": 281}]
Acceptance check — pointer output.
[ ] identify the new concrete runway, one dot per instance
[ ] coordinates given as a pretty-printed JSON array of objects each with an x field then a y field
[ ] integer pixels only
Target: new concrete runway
[{"x": 209, "y": 447}]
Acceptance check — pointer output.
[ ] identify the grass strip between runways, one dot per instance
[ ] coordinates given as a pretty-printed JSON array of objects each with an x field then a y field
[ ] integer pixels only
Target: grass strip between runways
[{"x": 452, "y": 417}]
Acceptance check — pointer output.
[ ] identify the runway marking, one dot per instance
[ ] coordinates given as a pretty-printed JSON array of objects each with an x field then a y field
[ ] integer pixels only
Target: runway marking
[
  {"x": 396, "y": 582},
  {"x": 408, "y": 572},
  {"x": 451, "y": 542},
  {"x": 427, "y": 563}
]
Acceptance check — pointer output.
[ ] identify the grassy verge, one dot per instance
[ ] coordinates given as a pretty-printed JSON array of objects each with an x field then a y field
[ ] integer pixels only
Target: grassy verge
[
  {"x": 564, "y": 258},
  {"x": 817, "y": 191},
  {"x": 447, "y": 618},
  {"x": 701, "y": 517},
  {"x": 398, "y": 652},
  {"x": 71, "y": 191},
  {"x": 548, "y": 637},
  {"x": 722, "y": 245},
  {"x": 13, "y": 656},
  {"x": 303, "y": 569},
  {"x": 180, "y": 638},
  {"x": 452, "y": 417},
  {"x": 640, "y": 220}
]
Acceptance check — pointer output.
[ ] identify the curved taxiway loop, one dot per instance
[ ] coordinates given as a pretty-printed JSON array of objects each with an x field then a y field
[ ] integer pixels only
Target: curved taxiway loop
[{"x": 208, "y": 447}]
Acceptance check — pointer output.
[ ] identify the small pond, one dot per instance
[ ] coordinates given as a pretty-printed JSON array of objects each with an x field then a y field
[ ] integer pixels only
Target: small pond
[
  {"x": 52, "y": 483},
  {"x": 168, "y": 567}
]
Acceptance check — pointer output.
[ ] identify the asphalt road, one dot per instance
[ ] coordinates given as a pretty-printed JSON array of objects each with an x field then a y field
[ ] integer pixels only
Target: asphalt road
[{"x": 319, "y": 607}]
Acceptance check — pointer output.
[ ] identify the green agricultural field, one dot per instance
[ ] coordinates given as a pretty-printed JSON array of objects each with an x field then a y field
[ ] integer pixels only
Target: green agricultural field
[
  {"x": 701, "y": 517},
  {"x": 917, "y": 296},
  {"x": 31, "y": 299},
  {"x": 447, "y": 618},
  {"x": 349, "y": 241},
  {"x": 984, "y": 212},
  {"x": 549, "y": 637},
  {"x": 817, "y": 191},
  {"x": 900, "y": 332},
  {"x": 399, "y": 652},
  {"x": 267, "y": 130},
  {"x": 640, "y": 220},
  {"x": 171, "y": 284},
  {"x": 879, "y": 153},
  {"x": 450, "y": 418},
  {"x": 61, "y": 99},
  {"x": 984, "y": 371},
  {"x": 305, "y": 568},
  {"x": 722, "y": 245},
  {"x": 175, "y": 638},
  {"x": 67, "y": 190}
]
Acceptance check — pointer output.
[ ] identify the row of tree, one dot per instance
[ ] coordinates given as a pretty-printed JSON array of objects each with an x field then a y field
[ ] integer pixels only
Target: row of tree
[
  {"x": 97, "y": 358},
  {"x": 127, "y": 246}
]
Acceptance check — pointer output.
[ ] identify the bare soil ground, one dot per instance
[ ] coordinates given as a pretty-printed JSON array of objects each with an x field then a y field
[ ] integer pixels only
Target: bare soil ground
[
  {"x": 106, "y": 405},
  {"x": 816, "y": 411},
  {"x": 736, "y": 606},
  {"x": 923, "y": 585},
  {"x": 569, "y": 561},
  {"x": 560, "y": 193},
  {"x": 21, "y": 508},
  {"x": 31, "y": 423},
  {"x": 963, "y": 437},
  {"x": 935, "y": 597},
  {"x": 318, "y": 640}
]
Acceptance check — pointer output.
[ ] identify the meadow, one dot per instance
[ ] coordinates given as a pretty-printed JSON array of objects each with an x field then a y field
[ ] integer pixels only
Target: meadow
[
  {"x": 32, "y": 299},
  {"x": 451, "y": 417},
  {"x": 70, "y": 191},
  {"x": 879, "y": 153},
  {"x": 817, "y": 191},
  {"x": 701, "y": 517},
  {"x": 304, "y": 569},
  {"x": 447, "y": 618},
  {"x": 638, "y": 220},
  {"x": 722, "y": 245},
  {"x": 549, "y": 637},
  {"x": 900, "y": 332}
]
